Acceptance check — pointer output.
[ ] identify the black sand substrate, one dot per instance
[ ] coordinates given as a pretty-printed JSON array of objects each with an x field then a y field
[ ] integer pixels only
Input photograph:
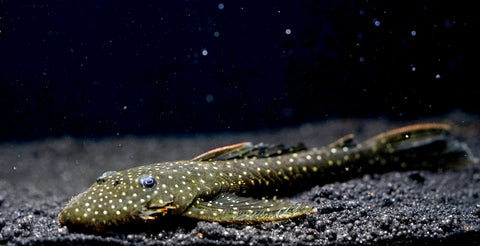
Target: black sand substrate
[{"x": 395, "y": 208}]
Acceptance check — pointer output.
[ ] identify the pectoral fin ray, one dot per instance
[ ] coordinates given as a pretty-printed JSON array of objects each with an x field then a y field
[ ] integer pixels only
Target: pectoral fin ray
[{"x": 230, "y": 208}]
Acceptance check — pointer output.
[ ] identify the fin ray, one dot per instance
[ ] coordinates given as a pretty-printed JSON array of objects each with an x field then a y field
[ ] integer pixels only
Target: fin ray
[
  {"x": 421, "y": 146},
  {"x": 345, "y": 141},
  {"x": 229, "y": 208},
  {"x": 247, "y": 150}
]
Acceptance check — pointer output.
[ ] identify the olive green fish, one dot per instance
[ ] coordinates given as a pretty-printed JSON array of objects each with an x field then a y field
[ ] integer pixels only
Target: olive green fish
[{"x": 239, "y": 183}]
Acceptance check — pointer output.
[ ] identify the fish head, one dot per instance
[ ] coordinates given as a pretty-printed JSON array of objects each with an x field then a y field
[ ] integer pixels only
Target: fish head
[{"x": 119, "y": 198}]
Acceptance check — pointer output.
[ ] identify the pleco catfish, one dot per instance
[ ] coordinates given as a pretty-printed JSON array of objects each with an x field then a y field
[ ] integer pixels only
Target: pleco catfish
[{"x": 239, "y": 183}]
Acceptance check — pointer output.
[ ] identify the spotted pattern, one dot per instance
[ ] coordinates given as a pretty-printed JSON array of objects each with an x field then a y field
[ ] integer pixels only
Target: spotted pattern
[{"x": 213, "y": 189}]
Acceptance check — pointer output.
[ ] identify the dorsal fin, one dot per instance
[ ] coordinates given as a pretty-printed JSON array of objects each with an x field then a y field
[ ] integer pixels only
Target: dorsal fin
[
  {"x": 209, "y": 155},
  {"x": 247, "y": 150},
  {"x": 345, "y": 141}
]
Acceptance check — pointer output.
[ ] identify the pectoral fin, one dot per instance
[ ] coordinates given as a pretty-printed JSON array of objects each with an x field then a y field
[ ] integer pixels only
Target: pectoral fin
[
  {"x": 155, "y": 209},
  {"x": 229, "y": 208}
]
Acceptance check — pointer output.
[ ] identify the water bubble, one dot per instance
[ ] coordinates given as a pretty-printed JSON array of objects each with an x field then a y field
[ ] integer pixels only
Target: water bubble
[
  {"x": 448, "y": 23},
  {"x": 376, "y": 22},
  {"x": 361, "y": 59},
  {"x": 204, "y": 52},
  {"x": 221, "y": 6},
  {"x": 209, "y": 98},
  {"x": 414, "y": 33},
  {"x": 216, "y": 34},
  {"x": 414, "y": 69},
  {"x": 288, "y": 31}
]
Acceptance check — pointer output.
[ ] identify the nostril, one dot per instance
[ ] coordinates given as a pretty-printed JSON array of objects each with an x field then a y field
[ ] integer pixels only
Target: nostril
[{"x": 102, "y": 177}]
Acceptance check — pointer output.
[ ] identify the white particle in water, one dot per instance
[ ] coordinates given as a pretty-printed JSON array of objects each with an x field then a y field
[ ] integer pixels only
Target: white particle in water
[
  {"x": 209, "y": 98},
  {"x": 221, "y": 6},
  {"x": 438, "y": 76}
]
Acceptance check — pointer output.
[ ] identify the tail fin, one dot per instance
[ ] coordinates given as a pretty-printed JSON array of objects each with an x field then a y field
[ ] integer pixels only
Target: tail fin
[{"x": 421, "y": 146}]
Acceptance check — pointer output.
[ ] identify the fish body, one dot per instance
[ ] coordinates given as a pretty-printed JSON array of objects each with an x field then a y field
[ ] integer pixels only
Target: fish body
[{"x": 239, "y": 183}]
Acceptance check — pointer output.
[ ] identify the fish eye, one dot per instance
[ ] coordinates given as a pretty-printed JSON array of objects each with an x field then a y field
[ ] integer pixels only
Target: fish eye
[
  {"x": 102, "y": 177},
  {"x": 146, "y": 181}
]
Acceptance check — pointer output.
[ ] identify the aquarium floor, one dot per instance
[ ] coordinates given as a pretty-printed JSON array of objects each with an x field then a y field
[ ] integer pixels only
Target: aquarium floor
[{"x": 415, "y": 207}]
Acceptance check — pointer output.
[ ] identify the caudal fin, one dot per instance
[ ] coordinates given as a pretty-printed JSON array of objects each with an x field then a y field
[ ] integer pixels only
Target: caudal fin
[{"x": 421, "y": 146}]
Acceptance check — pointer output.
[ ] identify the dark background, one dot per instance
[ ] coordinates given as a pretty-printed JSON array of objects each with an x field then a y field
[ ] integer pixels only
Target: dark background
[{"x": 100, "y": 68}]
